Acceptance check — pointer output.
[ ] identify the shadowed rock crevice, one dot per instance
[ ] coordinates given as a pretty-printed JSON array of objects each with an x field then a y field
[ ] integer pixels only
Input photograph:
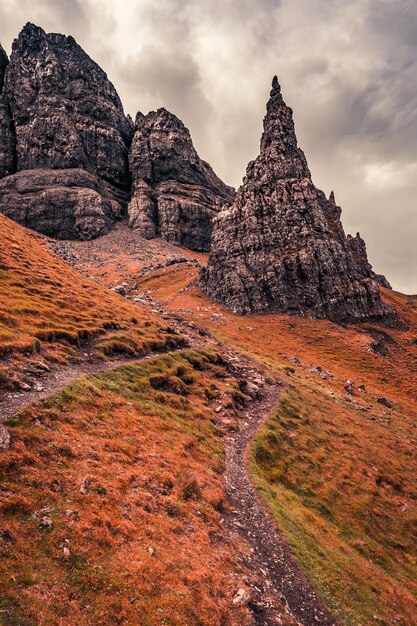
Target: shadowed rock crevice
[
  {"x": 281, "y": 245},
  {"x": 175, "y": 194}
]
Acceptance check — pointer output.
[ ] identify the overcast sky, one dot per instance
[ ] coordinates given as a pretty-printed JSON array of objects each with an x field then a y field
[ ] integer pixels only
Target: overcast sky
[{"x": 348, "y": 70}]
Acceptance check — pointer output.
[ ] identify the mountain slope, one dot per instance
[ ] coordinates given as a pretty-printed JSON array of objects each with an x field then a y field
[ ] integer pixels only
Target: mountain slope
[
  {"x": 334, "y": 463},
  {"x": 51, "y": 314},
  {"x": 112, "y": 499}
]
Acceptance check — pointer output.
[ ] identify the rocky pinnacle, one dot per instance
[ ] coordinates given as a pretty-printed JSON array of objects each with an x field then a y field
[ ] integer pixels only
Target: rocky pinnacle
[
  {"x": 281, "y": 245},
  {"x": 175, "y": 194}
]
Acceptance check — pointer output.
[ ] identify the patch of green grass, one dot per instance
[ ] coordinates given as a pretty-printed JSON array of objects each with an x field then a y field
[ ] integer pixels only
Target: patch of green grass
[{"x": 336, "y": 518}]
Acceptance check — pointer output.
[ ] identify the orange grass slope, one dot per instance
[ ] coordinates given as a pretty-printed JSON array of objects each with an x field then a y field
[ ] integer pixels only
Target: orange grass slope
[
  {"x": 336, "y": 466},
  {"x": 49, "y": 308},
  {"x": 111, "y": 502}
]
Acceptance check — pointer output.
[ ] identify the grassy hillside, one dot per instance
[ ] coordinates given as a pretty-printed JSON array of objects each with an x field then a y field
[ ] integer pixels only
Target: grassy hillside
[
  {"x": 111, "y": 502},
  {"x": 49, "y": 311},
  {"x": 336, "y": 467}
]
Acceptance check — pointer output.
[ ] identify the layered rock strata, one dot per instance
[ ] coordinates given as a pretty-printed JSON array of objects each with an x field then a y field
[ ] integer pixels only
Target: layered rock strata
[
  {"x": 281, "y": 245},
  {"x": 175, "y": 194}
]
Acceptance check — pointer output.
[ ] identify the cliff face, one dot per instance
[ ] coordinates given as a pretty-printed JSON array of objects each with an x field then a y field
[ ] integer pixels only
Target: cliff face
[
  {"x": 60, "y": 112},
  {"x": 281, "y": 245},
  {"x": 175, "y": 194},
  {"x": 7, "y": 134}
]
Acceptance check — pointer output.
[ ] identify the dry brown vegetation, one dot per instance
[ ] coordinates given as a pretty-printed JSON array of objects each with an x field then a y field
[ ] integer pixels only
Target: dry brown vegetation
[
  {"x": 48, "y": 311},
  {"x": 127, "y": 467},
  {"x": 338, "y": 470}
]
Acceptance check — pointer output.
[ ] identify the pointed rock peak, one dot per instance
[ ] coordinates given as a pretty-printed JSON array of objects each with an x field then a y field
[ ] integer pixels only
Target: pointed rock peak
[
  {"x": 276, "y": 88},
  {"x": 275, "y": 96},
  {"x": 281, "y": 245},
  {"x": 169, "y": 118},
  {"x": 279, "y": 141},
  {"x": 30, "y": 36},
  {"x": 139, "y": 118},
  {"x": 332, "y": 198}
]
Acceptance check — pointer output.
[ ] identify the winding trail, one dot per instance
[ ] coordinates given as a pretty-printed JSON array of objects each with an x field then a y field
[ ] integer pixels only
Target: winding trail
[
  {"x": 250, "y": 519},
  {"x": 271, "y": 560},
  {"x": 61, "y": 377}
]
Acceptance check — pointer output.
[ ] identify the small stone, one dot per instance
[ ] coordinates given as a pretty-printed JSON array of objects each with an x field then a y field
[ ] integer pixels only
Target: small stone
[
  {"x": 152, "y": 551},
  {"x": 242, "y": 598},
  {"x": 84, "y": 486},
  {"x": 65, "y": 551},
  {"x": 252, "y": 390},
  {"x": 42, "y": 366},
  {"x": 4, "y": 438},
  {"x": 349, "y": 388},
  {"x": 384, "y": 401},
  {"x": 46, "y": 522}
]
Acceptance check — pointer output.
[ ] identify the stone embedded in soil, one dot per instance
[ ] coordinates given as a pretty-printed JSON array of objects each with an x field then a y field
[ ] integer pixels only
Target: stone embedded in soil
[
  {"x": 384, "y": 401},
  {"x": 175, "y": 194},
  {"x": 61, "y": 113},
  {"x": 241, "y": 598},
  {"x": 281, "y": 245},
  {"x": 4, "y": 438}
]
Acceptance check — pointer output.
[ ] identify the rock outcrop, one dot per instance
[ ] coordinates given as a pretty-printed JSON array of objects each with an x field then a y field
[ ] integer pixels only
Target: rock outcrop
[
  {"x": 281, "y": 245},
  {"x": 175, "y": 194},
  {"x": 64, "y": 115},
  {"x": 66, "y": 204},
  {"x": 383, "y": 281},
  {"x": 7, "y": 134}
]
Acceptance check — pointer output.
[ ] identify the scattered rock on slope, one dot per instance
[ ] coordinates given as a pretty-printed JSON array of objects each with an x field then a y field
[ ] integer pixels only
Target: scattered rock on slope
[
  {"x": 64, "y": 114},
  {"x": 175, "y": 194},
  {"x": 281, "y": 245}
]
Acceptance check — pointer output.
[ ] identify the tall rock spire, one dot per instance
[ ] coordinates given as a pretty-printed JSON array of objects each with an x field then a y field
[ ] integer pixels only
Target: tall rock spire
[{"x": 281, "y": 245}]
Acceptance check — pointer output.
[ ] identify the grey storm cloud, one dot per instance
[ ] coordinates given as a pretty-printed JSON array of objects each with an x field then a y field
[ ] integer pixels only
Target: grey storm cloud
[{"x": 349, "y": 71}]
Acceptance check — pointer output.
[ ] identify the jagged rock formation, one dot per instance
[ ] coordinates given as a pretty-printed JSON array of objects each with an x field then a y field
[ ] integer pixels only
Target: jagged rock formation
[
  {"x": 7, "y": 134},
  {"x": 62, "y": 113},
  {"x": 281, "y": 245},
  {"x": 383, "y": 281},
  {"x": 175, "y": 194}
]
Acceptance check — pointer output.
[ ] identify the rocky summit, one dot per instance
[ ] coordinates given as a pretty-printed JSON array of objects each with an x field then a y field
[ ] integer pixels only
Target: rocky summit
[
  {"x": 175, "y": 194},
  {"x": 59, "y": 112},
  {"x": 281, "y": 245}
]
